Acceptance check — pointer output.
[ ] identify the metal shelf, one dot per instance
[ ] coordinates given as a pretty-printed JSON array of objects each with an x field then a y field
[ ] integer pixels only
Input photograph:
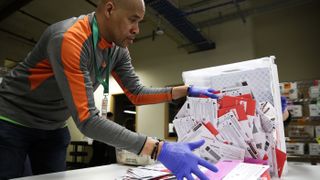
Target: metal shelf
[
  {"x": 304, "y": 158},
  {"x": 304, "y": 140}
]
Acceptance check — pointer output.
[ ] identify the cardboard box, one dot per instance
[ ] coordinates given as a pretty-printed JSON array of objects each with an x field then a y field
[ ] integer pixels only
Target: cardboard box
[
  {"x": 295, "y": 148},
  {"x": 301, "y": 131},
  {"x": 126, "y": 157},
  {"x": 295, "y": 110},
  {"x": 314, "y": 91},
  {"x": 314, "y": 110},
  {"x": 314, "y": 149},
  {"x": 289, "y": 89}
]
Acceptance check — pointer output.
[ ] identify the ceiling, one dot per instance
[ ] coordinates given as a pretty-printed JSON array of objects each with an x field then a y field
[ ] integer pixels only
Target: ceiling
[{"x": 23, "y": 21}]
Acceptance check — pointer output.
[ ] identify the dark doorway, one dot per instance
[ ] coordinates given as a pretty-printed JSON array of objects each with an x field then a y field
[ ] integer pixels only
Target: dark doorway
[{"x": 124, "y": 111}]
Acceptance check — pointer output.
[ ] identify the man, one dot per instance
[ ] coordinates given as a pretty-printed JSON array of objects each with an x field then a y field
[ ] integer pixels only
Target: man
[{"x": 57, "y": 79}]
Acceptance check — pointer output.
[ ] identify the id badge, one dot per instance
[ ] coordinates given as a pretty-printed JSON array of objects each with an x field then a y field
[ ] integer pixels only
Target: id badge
[{"x": 104, "y": 106}]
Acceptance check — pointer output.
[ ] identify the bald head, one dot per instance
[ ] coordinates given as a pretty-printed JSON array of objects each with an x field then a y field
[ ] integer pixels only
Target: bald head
[
  {"x": 125, "y": 4},
  {"x": 118, "y": 20}
]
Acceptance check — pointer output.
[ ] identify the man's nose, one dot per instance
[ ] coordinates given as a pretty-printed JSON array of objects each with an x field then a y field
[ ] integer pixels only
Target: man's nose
[{"x": 135, "y": 29}]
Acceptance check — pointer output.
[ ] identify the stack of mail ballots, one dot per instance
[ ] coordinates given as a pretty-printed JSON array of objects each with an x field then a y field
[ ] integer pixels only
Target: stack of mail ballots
[
  {"x": 244, "y": 123},
  {"x": 148, "y": 172},
  {"x": 228, "y": 170}
]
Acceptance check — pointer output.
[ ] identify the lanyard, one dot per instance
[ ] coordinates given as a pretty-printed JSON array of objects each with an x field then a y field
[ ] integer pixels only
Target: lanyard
[{"x": 95, "y": 35}]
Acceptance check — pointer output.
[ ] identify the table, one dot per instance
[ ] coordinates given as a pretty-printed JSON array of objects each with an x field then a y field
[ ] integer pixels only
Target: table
[
  {"x": 113, "y": 171},
  {"x": 107, "y": 172}
]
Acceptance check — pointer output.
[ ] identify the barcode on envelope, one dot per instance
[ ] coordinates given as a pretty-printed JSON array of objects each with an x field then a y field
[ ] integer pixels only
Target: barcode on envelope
[{"x": 212, "y": 153}]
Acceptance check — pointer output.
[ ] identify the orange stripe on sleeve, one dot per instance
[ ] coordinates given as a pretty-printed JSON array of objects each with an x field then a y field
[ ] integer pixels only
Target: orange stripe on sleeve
[
  {"x": 40, "y": 73},
  {"x": 145, "y": 98},
  {"x": 70, "y": 54}
]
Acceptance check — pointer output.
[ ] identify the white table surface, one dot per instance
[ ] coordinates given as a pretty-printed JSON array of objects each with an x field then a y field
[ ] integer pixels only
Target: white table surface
[
  {"x": 107, "y": 172},
  {"x": 111, "y": 172}
]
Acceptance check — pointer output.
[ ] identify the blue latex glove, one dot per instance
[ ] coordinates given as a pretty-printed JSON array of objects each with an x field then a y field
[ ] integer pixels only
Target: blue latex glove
[
  {"x": 180, "y": 160},
  {"x": 199, "y": 92},
  {"x": 283, "y": 103}
]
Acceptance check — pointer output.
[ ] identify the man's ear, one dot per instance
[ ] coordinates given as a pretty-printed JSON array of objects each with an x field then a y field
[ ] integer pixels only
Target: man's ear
[{"x": 109, "y": 7}]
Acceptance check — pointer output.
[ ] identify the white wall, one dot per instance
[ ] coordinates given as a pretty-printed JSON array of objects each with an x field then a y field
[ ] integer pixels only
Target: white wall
[
  {"x": 292, "y": 35},
  {"x": 150, "y": 120},
  {"x": 161, "y": 62}
]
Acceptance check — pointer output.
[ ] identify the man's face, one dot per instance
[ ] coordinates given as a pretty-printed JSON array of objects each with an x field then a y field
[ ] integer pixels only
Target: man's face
[{"x": 124, "y": 22}]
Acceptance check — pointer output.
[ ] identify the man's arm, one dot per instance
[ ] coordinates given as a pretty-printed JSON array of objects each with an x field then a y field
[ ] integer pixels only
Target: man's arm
[
  {"x": 179, "y": 92},
  {"x": 192, "y": 91}
]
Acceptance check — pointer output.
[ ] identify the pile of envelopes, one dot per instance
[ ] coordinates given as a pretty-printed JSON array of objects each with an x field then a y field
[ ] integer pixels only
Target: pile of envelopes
[
  {"x": 228, "y": 170},
  {"x": 245, "y": 123}
]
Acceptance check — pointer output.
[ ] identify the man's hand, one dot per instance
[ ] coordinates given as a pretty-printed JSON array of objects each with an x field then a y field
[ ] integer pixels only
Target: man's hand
[
  {"x": 199, "y": 92},
  {"x": 180, "y": 160}
]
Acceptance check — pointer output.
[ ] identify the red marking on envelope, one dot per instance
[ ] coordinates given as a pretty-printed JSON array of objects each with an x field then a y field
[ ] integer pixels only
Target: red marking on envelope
[
  {"x": 265, "y": 176},
  {"x": 251, "y": 107},
  {"x": 228, "y": 101},
  {"x": 231, "y": 101},
  {"x": 265, "y": 157},
  {"x": 246, "y": 96},
  {"x": 211, "y": 128},
  {"x": 251, "y": 104},
  {"x": 281, "y": 158},
  {"x": 239, "y": 109}
]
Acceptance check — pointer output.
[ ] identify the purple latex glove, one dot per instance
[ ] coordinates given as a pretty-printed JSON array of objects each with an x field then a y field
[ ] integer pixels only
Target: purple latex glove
[
  {"x": 200, "y": 92},
  {"x": 180, "y": 160},
  {"x": 283, "y": 103}
]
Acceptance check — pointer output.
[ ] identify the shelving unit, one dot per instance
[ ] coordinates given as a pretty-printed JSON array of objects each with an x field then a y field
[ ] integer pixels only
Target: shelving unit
[
  {"x": 78, "y": 154},
  {"x": 314, "y": 160},
  {"x": 301, "y": 131}
]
